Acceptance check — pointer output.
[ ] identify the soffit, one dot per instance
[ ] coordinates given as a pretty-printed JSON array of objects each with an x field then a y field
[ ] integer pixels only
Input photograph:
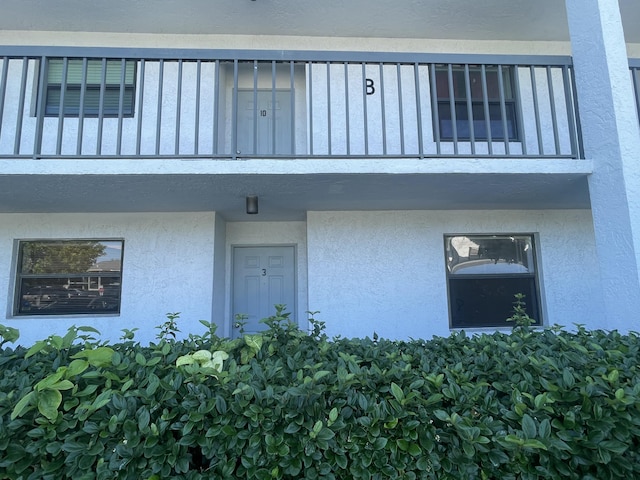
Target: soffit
[{"x": 523, "y": 20}]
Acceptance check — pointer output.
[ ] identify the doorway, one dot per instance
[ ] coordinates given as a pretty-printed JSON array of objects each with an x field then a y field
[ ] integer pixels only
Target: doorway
[
  {"x": 265, "y": 128},
  {"x": 262, "y": 277}
]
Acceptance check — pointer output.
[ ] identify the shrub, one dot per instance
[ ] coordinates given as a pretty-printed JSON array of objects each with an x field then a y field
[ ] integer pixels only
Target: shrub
[{"x": 285, "y": 404}]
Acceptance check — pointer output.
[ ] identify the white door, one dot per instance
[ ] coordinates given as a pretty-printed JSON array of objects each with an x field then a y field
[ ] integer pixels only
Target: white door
[
  {"x": 256, "y": 126},
  {"x": 262, "y": 278}
]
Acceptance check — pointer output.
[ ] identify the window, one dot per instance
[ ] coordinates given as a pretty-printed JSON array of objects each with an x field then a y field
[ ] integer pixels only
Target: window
[
  {"x": 472, "y": 85},
  {"x": 116, "y": 76},
  {"x": 60, "y": 277},
  {"x": 484, "y": 273}
]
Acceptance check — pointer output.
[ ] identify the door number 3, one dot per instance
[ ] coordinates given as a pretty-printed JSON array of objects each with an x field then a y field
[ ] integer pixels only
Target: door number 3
[{"x": 264, "y": 272}]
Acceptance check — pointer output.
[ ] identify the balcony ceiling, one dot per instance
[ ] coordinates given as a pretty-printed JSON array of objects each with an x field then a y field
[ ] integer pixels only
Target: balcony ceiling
[
  {"x": 524, "y": 20},
  {"x": 286, "y": 197}
]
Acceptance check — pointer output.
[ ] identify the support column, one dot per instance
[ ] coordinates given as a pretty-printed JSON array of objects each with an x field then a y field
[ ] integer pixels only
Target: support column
[{"x": 611, "y": 140}]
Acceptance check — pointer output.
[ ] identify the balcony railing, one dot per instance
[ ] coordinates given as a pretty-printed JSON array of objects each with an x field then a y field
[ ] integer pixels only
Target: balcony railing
[{"x": 123, "y": 103}]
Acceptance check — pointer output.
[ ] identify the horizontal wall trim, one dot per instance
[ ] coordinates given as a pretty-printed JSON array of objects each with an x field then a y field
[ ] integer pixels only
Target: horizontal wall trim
[{"x": 281, "y": 55}]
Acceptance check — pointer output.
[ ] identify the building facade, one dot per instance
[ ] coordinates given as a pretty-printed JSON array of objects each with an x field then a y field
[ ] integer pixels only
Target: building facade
[{"x": 400, "y": 168}]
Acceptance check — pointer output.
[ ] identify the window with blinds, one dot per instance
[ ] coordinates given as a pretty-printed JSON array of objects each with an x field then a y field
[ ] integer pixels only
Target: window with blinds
[
  {"x": 64, "y": 277},
  {"x": 476, "y": 102},
  {"x": 91, "y": 87}
]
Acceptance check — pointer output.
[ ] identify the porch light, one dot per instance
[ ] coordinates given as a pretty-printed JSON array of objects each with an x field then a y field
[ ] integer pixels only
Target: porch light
[{"x": 252, "y": 204}]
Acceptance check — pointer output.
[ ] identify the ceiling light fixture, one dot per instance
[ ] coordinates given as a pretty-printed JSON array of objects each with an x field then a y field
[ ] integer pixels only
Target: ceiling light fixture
[{"x": 252, "y": 204}]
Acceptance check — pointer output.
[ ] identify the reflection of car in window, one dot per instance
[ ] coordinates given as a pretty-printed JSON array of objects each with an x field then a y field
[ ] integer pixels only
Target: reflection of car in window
[{"x": 109, "y": 304}]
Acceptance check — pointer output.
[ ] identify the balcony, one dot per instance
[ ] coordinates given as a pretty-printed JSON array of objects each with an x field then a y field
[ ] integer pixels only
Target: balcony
[{"x": 210, "y": 104}]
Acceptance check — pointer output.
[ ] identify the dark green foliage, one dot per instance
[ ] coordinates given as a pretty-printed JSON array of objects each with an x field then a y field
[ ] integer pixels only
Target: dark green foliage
[{"x": 527, "y": 405}]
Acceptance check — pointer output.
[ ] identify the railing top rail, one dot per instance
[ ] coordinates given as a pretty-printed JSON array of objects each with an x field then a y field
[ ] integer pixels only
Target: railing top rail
[
  {"x": 282, "y": 55},
  {"x": 634, "y": 62}
]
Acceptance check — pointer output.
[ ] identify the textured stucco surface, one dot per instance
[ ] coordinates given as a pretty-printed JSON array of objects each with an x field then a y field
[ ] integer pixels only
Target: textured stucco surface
[
  {"x": 612, "y": 141},
  {"x": 384, "y": 272},
  {"x": 167, "y": 267},
  {"x": 364, "y": 271}
]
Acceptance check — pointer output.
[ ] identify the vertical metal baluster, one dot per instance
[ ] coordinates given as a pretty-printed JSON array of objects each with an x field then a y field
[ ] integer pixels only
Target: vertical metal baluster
[
  {"x": 292, "y": 94},
  {"x": 574, "y": 91},
  {"x": 364, "y": 109},
  {"x": 255, "y": 107},
  {"x": 485, "y": 106},
  {"x": 63, "y": 89},
  {"x": 503, "y": 111},
  {"x": 570, "y": 111},
  {"x": 400, "y": 110},
  {"x": 467, "y": 82},
  {"x": 310, "y": 66},
  {"x": 435, "y": 113},
  {"x": 382, "y": 111},
  {"x": 346, "y": 107},
  {"x": 123, "y": 77},
  {"x": 234, "y": 112},
  {"x": 329, "y": 134},
  {"x": 196, "y": 133},
  {"x": 452, "y": 108},
  {"x": 40, "y": 107},
  {"x": 103, "y": 86},
  {"x": 81, "y": 102},
  {"x": 634, "y": 77},
  {"x": 178, "y": 108},
  {"x": 159, "y": 103},
  {"x": 216, "y": 104},
  {"x": 273, "y": 107},
  {"x": 416, "y": 75},
  {"x": 520, "y": 119},
  {"x": 3, "y": 87},
  {"x": 554, "y": 117},
  {"x": 536, "y": 109},
  {"x": 141, "y": 87}
]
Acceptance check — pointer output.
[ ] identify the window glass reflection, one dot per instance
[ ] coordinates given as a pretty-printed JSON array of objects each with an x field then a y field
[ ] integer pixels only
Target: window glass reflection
[{"x": 489, "y": 255}]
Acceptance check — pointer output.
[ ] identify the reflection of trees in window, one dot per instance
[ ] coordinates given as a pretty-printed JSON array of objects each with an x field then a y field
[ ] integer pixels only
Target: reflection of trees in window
[
  {"x": 69, "y": 277},
  {"x": 59, "y": 258}
]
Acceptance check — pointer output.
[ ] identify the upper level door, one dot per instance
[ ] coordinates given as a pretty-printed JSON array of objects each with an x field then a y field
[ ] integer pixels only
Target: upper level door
[
  {"x": 265, "y": 127},
  {"x": 262, "y": 277}
]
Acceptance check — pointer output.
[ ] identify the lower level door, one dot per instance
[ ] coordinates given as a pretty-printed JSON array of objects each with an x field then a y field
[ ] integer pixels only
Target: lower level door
[{"x": 262, "y": 278}]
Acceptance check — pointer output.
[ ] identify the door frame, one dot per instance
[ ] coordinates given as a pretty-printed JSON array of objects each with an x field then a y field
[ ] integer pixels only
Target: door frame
[{"x": 293, "y": 309}]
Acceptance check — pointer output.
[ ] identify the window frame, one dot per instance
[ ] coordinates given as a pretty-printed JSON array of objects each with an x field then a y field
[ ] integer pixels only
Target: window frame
[
  {"x": 95, "y": 296},
  {"x": 93, "y": 91},
  {"x": 461, "y": 103},
  {"x": 533, "y": 305}
]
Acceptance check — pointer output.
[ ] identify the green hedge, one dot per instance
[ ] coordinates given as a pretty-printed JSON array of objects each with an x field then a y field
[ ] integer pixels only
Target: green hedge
[{"x": 286, "y": 404}]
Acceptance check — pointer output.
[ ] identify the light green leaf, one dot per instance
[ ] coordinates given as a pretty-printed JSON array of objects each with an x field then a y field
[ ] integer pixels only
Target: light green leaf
[
  {"x": 333, "y": 414},
  {"x": 397, "y": 392},
  {"x": 46, "y": 382},
  {"x": 37, "y": 347},
  {"x": 22, "y": 405},
  {"x": 48, "y": 403},
  {"x": 98, "y": 357},
  {"x": 185, "y": 360},
  {"x": 62, "y": 385},
  {"x": 254, "y": 342},
  {"x": 532, "y": 443},
  {"x": 201, "y": 356},
  {"x": 76, "y": 367}
]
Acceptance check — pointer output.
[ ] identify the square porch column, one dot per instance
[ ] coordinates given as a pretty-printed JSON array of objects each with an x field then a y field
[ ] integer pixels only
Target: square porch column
[{"x": 611, "y": 139}]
